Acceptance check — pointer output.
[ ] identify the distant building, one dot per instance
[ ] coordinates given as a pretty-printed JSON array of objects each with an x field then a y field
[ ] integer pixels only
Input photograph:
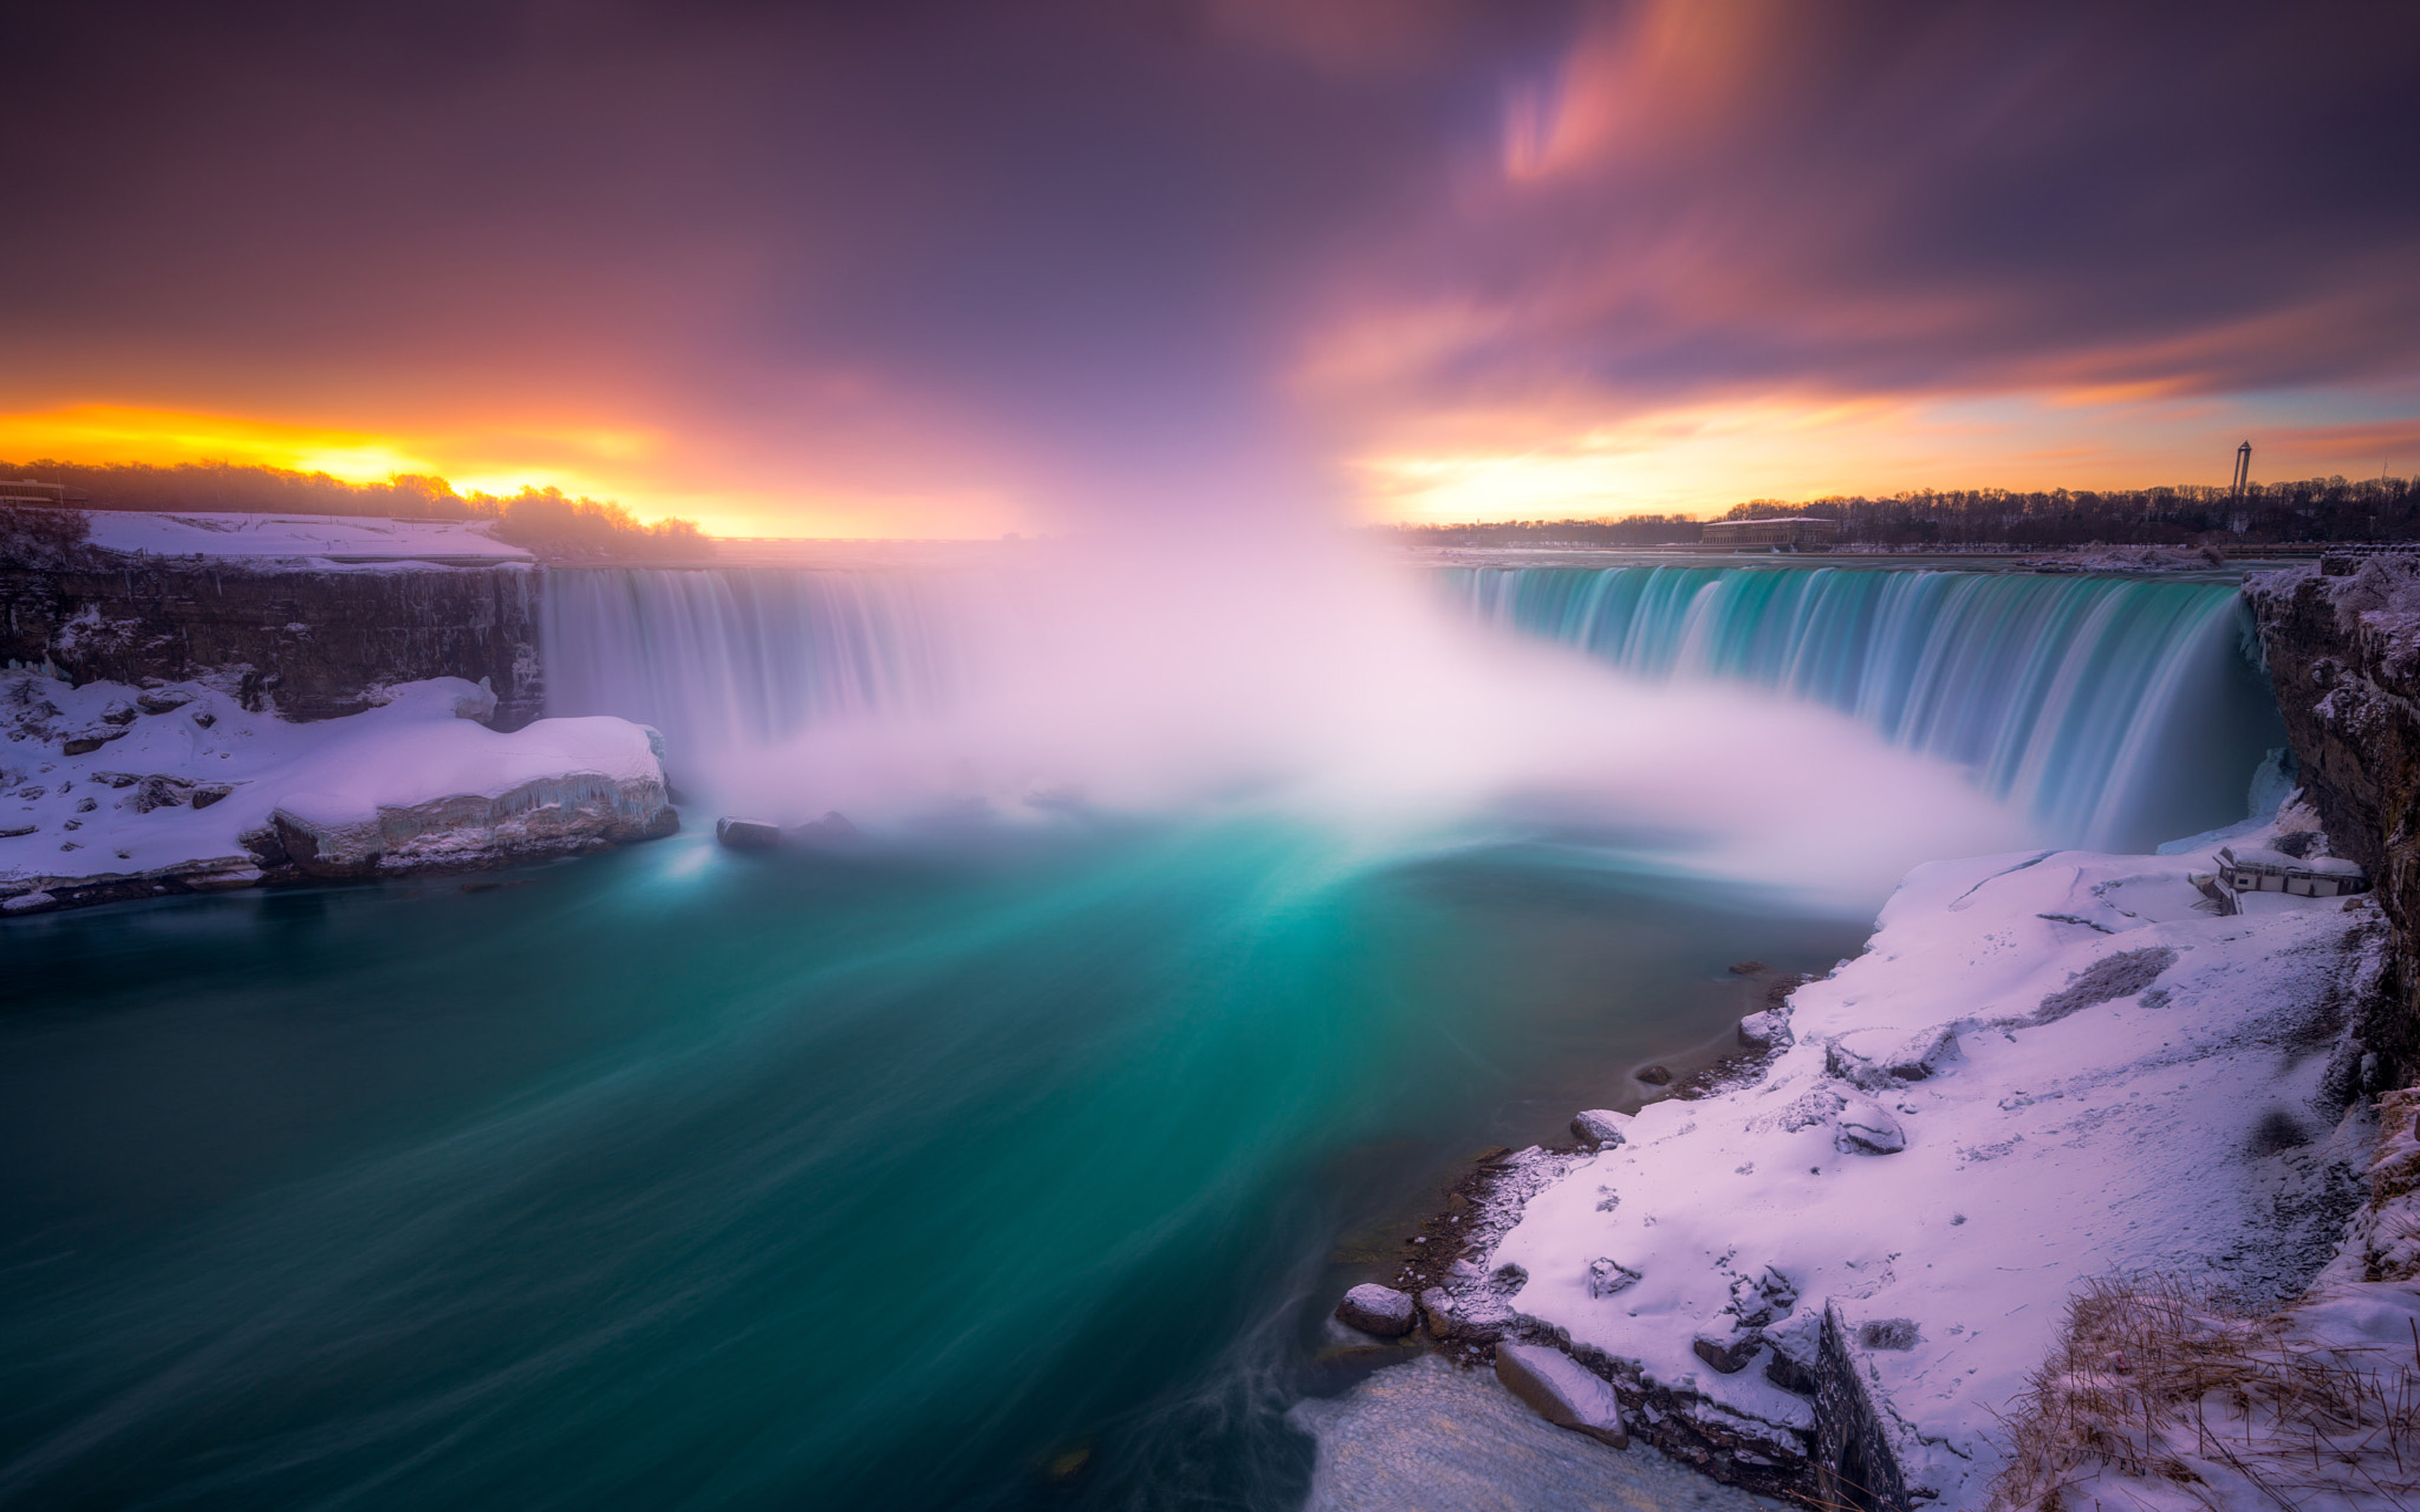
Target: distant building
[
  {"x": 2258, "y": 869},
  {"x": 1803, "y": 534},
  {"x": 27, "y": 491}
]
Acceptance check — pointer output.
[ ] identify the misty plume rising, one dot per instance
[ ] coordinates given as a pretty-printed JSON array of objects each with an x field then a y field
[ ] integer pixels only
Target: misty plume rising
[{"x": 1105, "y": 680}]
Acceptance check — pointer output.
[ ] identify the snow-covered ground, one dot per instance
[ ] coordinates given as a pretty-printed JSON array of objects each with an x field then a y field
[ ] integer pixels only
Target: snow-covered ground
[
  {"x": 2046, "y": 1068},
  {"x": 106, "y": 781},
  {"x": 340, "y": 540}
]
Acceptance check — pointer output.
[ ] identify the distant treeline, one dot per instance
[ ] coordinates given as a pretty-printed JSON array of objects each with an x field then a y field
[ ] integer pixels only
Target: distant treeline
[
  {"x": 544, "y": 519},
  {"x": 2317, "y": 509}
]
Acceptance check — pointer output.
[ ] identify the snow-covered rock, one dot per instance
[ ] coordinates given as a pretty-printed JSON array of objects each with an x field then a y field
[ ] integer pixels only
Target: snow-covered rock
[
  {"x": 329, "y": 540},
  {"x": 2072, "y": 1069},
  {"x": 1561, "y": 1391},
  {"x": 1599, "y": 1126},
  {"x": 195, "y": 792}
]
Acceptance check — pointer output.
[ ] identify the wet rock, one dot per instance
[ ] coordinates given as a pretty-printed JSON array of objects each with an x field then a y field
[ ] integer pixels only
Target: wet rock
[
  {"x": 203, "y": 796},
  {"x": 1864, "y": 1128},
  {"x": 1606, "y": 1278},
  {"x": 1727, "y": 1356},
  {"x": 1654, "y": 1076},
  {"x": 1599, "y": 1126},
  {"x": 266, "y": 845},
  {"x": 746, "y": 834},
  {"x": 1562, "y": 1390},
  {"x": 832, "y": 828},
  {"x": 1375, "y": 1310},
  {"x": 1436, "y": 1306},
  {"x": 1746, "y": 968},
  {"x": 227, "y": 881}
]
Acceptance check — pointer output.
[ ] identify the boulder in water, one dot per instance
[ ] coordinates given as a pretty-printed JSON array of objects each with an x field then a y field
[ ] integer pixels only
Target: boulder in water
[
  {"x": 746, "y": 834},
  {"x": 831, "y": 829},
  {"x": 1375, "y": 1310},
  {"x": 1562, "y": 1390}
]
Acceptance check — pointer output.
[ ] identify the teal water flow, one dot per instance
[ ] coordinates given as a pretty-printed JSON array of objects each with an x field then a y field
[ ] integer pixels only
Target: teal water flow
[{"x": 976, "y": 1167}]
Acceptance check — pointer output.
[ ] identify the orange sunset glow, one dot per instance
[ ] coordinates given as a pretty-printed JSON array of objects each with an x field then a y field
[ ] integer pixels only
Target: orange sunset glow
[{"x": 1423, "y": 262}]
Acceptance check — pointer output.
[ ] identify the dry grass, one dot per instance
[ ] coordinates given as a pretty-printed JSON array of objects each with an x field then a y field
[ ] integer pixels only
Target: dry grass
[{"x": 2159, "y": 1397}]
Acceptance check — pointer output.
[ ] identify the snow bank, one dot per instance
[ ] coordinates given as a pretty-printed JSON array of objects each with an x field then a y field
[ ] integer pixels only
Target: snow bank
[
  {"x": 105, "y": 787},
  {"x": 325, "y": 539},
  {"x": 2046, "y": 1067}
]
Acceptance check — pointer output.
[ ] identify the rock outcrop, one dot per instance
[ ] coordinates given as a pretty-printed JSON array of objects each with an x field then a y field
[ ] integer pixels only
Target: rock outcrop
[
  {"x": 309, "y": 643},
  {"x": 2343, "y": 651},
  {"x": 196, "y": 794}
]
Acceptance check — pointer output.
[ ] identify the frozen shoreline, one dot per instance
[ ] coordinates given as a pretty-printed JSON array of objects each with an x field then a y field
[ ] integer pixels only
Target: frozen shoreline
[{"x": 2045, "y": 1068}]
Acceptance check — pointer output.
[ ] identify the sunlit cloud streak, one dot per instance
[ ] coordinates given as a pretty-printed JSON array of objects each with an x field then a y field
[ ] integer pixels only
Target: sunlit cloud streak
[{"x": 927, "y": 269}]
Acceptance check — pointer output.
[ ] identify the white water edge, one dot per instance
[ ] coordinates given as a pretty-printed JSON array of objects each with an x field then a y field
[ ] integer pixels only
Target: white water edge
[{"x": 2128, "y": 1083}]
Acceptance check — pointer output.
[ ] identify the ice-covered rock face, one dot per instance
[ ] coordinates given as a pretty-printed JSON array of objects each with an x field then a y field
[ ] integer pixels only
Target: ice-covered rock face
[
  {"x": 2045, "y": 1067},
  {"x": 195, "y": 793}
]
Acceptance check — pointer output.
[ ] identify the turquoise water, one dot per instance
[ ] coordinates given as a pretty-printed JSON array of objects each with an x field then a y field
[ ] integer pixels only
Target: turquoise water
[
  {"x": 1009, "y": 1156},
  {"x": 687, "y": 1178}
]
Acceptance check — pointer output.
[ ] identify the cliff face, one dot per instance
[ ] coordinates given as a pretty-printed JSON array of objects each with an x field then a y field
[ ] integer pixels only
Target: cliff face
[
  {"x": 311, "y": 645},
  {"x": 2343, "y": 649}
]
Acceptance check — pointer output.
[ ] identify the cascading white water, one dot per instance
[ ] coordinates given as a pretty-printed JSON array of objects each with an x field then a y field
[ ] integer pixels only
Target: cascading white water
[
  {"x": 2113, "y": 710},
  {"x": 741, "y": 655}
]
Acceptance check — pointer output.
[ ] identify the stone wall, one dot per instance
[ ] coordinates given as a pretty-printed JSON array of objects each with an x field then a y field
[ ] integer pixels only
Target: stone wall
[{"x": 310, "y": 644}]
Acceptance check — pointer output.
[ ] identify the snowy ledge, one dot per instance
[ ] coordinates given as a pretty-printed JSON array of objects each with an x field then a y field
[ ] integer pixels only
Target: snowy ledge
[
  {"x": 327, "y": 541},
  {"x": 110, "y": 793},
  {"x": 2046, "y": 1068}
]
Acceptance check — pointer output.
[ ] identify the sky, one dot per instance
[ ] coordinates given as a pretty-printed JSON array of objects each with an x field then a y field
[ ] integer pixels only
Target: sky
[{"x": 955, "y": 269}]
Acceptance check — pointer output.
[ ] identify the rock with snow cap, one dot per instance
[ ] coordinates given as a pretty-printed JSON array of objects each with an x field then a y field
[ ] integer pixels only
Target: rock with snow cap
[
  {"x": 1727, "y": 1356},
  {"x": 1864, "y": 1128},
  {"x": 1599, "y": 1126},
  {"x": 1818, "y": 1106},
  {"x": 1606, "y": 1278},
  {"x": 1768, "y": 1030}
]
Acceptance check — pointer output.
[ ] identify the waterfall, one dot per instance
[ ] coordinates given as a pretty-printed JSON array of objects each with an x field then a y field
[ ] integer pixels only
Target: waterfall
[
  {"x": 2115, "y": 711},
  {"x": 736, "y": 656}
]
